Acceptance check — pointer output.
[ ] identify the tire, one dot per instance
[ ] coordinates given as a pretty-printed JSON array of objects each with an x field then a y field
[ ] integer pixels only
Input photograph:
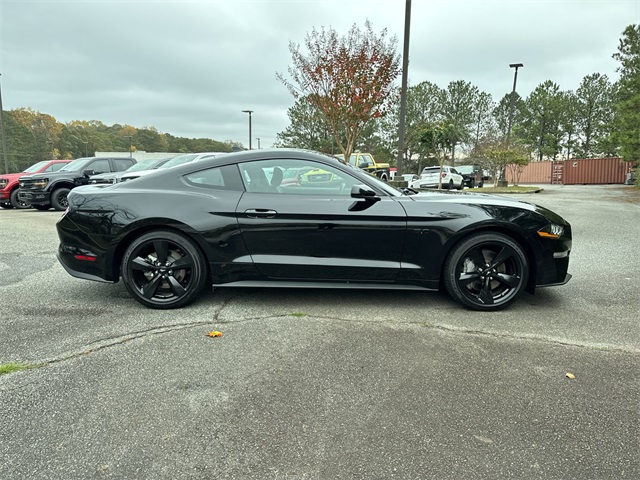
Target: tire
[
  {"x": 44, "y": 207},
  {"x": 384, "y": 178},
  {"x": 486, "y": 271},
  {"x": 164, "y": 269},
  {"x": 15, "y": 201},
  {"x": 481, "y": 184},
  {"x": 461, "y": 186},
  {"x": 59, "y": 198},
  {"x": 450, "y": 187}
]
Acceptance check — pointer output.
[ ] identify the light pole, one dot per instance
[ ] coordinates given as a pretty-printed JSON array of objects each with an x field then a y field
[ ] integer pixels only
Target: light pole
[
  {"x": 130, "y": 137},
  {"x": 403, "y": 89},
  {"x": 4, "y": 147},
  {"x": 86, "y": 151},
  {"x": 258, "y": 139},
  {"x": 502, "y": 182},
  {"x": 249, "y": 112}
]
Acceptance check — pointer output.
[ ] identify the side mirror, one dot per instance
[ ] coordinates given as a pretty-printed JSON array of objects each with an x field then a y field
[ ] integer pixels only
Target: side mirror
[
  {"x": 363, "y": 165},
  {"x": 88, "y": 173},
  {"x": 362, "y": 191}
]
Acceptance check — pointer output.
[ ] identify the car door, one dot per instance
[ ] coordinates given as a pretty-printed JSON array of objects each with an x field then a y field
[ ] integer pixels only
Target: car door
[{"x": 313, "y": 229}]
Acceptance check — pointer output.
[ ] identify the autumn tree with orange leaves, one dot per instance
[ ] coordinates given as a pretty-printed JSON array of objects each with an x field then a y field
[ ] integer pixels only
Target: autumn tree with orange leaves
[{"x": 349, "y": 79}]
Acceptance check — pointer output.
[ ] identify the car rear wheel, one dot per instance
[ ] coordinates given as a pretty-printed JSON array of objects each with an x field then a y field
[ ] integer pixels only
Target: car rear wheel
[
  {"x": 486, "y": 271},
  {"x": 164, "y": 269},
  {"x": 16, "y": 202},
  {"x": 59, "y": 198},
  {"x": 450, "y": 186}
]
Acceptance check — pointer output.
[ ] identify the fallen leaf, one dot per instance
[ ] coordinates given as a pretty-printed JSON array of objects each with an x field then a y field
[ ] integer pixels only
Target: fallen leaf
[
  {"x": 215, "y": 333},
  {"x": 570, "y": 376}
]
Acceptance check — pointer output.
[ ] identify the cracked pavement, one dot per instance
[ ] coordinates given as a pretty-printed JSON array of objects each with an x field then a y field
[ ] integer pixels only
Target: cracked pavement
[{"x": 325, "y": 384}]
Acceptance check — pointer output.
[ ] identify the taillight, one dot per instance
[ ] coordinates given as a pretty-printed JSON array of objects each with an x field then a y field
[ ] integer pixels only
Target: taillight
[{"x": 444, "y": 174}]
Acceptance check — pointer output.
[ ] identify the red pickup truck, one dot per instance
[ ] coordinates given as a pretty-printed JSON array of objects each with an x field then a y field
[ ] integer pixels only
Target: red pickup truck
[{"x": 9, "y": 182}]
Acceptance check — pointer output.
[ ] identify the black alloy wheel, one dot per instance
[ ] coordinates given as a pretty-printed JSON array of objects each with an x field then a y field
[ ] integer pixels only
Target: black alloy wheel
[
  {"x": 486, "y": 271},
  {"x": 59, "y": 199},
  {"x": 163, "y": 269},
  {"x": 16, "y": 202}
]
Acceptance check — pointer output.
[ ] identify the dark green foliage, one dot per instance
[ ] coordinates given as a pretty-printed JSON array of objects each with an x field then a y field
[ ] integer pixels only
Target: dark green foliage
[
  {"x": 627, "y": 122},
  {"x": 33, "y": 136}
]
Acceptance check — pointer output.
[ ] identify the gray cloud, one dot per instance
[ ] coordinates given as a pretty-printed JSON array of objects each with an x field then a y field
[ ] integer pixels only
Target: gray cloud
[{"x": 189, "y": 67}]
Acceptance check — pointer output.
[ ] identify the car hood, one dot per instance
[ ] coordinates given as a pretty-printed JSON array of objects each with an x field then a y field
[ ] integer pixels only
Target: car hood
[
  {"x": 51, "y": 175},
  {"x": 13, "y": 176},
  {"x": 484, "y": 199},
  {"x": 106, "y": 175}
]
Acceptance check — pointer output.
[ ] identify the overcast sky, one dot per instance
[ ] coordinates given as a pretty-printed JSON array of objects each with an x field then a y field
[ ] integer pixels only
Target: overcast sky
[{"x": 188, "y": 68}]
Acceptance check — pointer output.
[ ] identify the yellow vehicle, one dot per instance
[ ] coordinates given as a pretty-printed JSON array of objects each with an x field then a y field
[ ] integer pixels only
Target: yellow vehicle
[{"x": 366, "y": 162}]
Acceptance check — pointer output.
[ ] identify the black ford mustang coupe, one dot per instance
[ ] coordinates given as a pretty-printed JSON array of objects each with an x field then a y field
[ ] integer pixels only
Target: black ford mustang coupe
[{"x": 294, "y": 218}]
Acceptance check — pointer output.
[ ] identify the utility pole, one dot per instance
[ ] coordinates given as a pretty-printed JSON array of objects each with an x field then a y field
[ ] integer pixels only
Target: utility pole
[
  {"x": 4, "y": 146},
  {"x": 403, "y": 90}
]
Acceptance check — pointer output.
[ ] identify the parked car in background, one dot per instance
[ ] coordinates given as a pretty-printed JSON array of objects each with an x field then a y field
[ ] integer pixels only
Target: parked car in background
[
  {"x": 114, "y": 177},
  {"x": 366, "y": 162},
  {"x": 9, "y": 183},
  {"x": 45, "y": 190},
  {"x": 472, "y": 175},
  {"x": 225, "y": 222},
  {"x": 409, "y": 177},
  {"x": 173, "y": 162},
  {"x": 430, "y": 178}
]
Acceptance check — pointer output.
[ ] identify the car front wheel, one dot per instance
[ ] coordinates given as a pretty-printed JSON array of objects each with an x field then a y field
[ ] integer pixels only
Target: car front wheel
[
  {"x": 59, "y": 199},
  {"x": 16, "y": 202},
  {"x": 486, "y": 271},
  {"x": 163, "y": 269}
]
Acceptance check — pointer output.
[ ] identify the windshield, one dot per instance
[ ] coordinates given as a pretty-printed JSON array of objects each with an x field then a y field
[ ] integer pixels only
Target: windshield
[
  {"x": 147, "y": 165},
  {"x": 36, "y": 167},
  {"x": 179, "y": 160},
  {"x": 465, "y": 169},
  {"x": 76, "y": 165}
]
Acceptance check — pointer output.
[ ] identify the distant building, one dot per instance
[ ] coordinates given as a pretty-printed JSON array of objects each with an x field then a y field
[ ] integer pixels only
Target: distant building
[{"x": 139, "y": 155}]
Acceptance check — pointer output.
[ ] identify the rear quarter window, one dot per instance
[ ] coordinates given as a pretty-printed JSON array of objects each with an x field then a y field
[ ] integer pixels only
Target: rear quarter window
[{"x": 220, "y": 178}]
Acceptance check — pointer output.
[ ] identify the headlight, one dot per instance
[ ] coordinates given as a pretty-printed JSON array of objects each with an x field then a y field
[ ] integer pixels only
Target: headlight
[
  {"x": 41, "y": 183},
  {"x": 551, "y": 231},
  {"x": 3, "y": 182}
]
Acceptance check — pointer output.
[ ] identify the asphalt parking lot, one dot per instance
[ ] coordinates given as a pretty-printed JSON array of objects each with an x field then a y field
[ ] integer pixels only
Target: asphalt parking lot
[{"x": 326, "y": 384}]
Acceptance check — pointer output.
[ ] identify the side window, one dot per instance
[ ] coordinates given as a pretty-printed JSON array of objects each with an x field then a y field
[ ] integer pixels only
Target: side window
[
  {"x": 295, "y": 177},
  {"x": 367, "y": 159},
  {"x": 55, "y": 167},
  {"x": 219, "y": 178},
  {"x": 121, "y": 164},
  {"x": 353, "y": 159},
  {"x": 100, "y": 166}
]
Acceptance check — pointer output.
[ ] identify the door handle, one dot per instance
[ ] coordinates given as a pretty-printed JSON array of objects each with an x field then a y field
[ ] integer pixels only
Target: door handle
[{"x": 260, "y": 213}]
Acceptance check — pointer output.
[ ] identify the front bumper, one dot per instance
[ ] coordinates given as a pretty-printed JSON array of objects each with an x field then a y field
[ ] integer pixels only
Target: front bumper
[{"x": 35, "y": 198}]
